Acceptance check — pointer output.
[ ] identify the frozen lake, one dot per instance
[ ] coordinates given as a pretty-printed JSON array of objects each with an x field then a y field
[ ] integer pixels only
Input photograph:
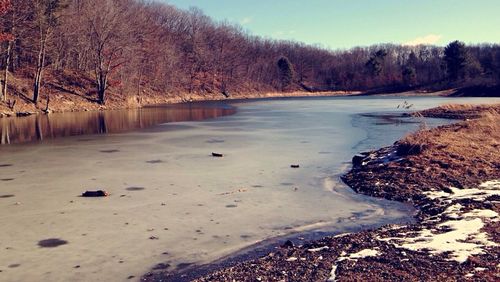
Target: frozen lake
[{"x": 172, "y": 202}]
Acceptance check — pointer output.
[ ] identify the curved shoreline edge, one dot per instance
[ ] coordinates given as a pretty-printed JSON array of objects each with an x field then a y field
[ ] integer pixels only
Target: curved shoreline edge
[
  {"x": 451, "y": 174},
  {"x": 77, "y": 104}
]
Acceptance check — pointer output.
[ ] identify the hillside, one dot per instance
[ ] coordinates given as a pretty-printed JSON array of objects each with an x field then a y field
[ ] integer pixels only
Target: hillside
[
  {"x": 122, "y": 53},
  {"x": 71, "y": 91}
]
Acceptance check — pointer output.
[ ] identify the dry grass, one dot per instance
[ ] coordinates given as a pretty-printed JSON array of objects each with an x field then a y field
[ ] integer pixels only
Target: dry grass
[
  {"x": 460, "y": 111},
  {"x": 485, "y": 127},
  {"x": 464, "y": 151}
]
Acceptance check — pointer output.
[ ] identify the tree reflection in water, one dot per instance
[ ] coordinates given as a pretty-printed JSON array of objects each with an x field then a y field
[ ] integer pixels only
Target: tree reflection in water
[{"x": 40, "y": 127}]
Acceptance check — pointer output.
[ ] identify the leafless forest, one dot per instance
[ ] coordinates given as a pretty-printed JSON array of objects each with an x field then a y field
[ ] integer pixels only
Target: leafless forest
[{"x": 128, "y": 45}]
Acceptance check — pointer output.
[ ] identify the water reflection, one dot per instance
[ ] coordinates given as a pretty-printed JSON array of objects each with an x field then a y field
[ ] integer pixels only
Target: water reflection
[{"x": 40, "y": 127}]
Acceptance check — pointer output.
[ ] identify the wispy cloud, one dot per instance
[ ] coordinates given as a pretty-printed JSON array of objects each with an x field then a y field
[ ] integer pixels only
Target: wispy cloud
[
  {"x": 284, "y": 33},
  {"x": 246, "y": 20},
  {"x": 424, "y": 40}
]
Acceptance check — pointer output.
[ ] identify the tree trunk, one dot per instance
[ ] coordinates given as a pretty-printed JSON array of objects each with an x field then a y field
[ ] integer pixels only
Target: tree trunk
[
  {"x": 3, "y": 94},
  {"x": 102, "y": 124},
  {"x": 5, "y": 133},
  {"x": 101, "y": 88},
  {"x": 101, "y": 93},
  {"x": 39, "y": 72},
  {"x": 139, "y": 80},
  {"x": 38, "y": 128}
]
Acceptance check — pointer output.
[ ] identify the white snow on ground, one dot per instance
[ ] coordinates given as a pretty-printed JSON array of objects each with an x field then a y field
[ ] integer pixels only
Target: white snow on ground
[
  {"x": 454, "y": 240},
  {"x": 492, "y": 184},
  {"x": 482, "y": 213},
  {"x": 354, "y": 256},
  {"x": 463, "y": 236},
  {"x": 318, "y": 249},
  {"x": 452, "y": 211},
  {"x": 493, "y": 188},
  {"x": 364, "y": 253},
  {"x": 332, "y": 277},
  {"x": 341, "y": 235}
]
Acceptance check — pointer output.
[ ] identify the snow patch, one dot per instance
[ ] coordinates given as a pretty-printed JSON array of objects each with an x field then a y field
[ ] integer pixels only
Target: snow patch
[
  {"x": 463, "y": 236},
  {"x": 318, "y": 249},
  {"x": 361, "y": 254},
  {"x": 364, "y": 253},
  {"x": 341, "y": 235},
  {"x": 452, "y": 241},
  {"x": 471, "y": 193},
  {"x": 332, "y": 277},
  {"x": 483, "y": 213},
  {"x": 492, "y": 184},
  {"x": 354, "y": 256}
]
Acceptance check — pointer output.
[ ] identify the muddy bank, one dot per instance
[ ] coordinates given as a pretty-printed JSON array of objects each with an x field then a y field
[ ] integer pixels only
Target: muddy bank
[{"x": 450, "y": 174}]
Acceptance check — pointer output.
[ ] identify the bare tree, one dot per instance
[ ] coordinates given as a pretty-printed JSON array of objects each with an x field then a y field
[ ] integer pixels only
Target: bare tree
[
  {"x": 46, "y": 18},
  {"x": 106, "y": 31},
  {"x": 4, "y": 8},
  {"x": 132, "y": 47}
]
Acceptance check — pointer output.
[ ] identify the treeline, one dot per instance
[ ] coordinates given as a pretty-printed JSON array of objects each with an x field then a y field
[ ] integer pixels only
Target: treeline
[{"x": 128, "y": 46}]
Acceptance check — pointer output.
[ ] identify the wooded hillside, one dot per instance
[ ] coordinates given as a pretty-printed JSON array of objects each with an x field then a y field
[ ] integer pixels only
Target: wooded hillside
[{"x": 130, "y": 47}]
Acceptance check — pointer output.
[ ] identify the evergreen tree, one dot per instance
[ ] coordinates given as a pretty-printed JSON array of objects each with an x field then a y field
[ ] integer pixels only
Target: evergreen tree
[
  {"x": 456, "y": 57},
  {"x": 409, "y": 76},
  {"x": 286, "y": 72},
  {"x": 375, "y": 63}
]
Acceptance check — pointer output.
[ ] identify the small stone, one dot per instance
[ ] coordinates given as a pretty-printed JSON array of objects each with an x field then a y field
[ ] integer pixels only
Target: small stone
[
  {"x": 217, "y": 155},
  {"x": 97, "y": 193},
  {"x": 161, "y": 266},
  {"x": 288, "y": 244}
]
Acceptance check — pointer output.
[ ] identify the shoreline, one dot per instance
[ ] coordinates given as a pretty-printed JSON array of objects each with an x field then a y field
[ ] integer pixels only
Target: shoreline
[
  {"x": 82, "y": 103},
  {"x": 73, "y": 105},
  {"x": 266, "y": 246},
  {"x": 77, "y": 104},
  {"x": 456, "y": 234}
]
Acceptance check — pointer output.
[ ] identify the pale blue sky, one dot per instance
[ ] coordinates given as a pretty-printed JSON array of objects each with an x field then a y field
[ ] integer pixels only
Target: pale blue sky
[{"x": 345, "y": 23}]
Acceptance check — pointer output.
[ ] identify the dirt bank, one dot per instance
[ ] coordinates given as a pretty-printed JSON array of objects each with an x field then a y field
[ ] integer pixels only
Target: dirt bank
[{"x": 451, "y": 174}]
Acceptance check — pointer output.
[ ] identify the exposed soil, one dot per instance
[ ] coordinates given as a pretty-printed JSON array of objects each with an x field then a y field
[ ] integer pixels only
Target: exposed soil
[{"x": 457, "y": 233}]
